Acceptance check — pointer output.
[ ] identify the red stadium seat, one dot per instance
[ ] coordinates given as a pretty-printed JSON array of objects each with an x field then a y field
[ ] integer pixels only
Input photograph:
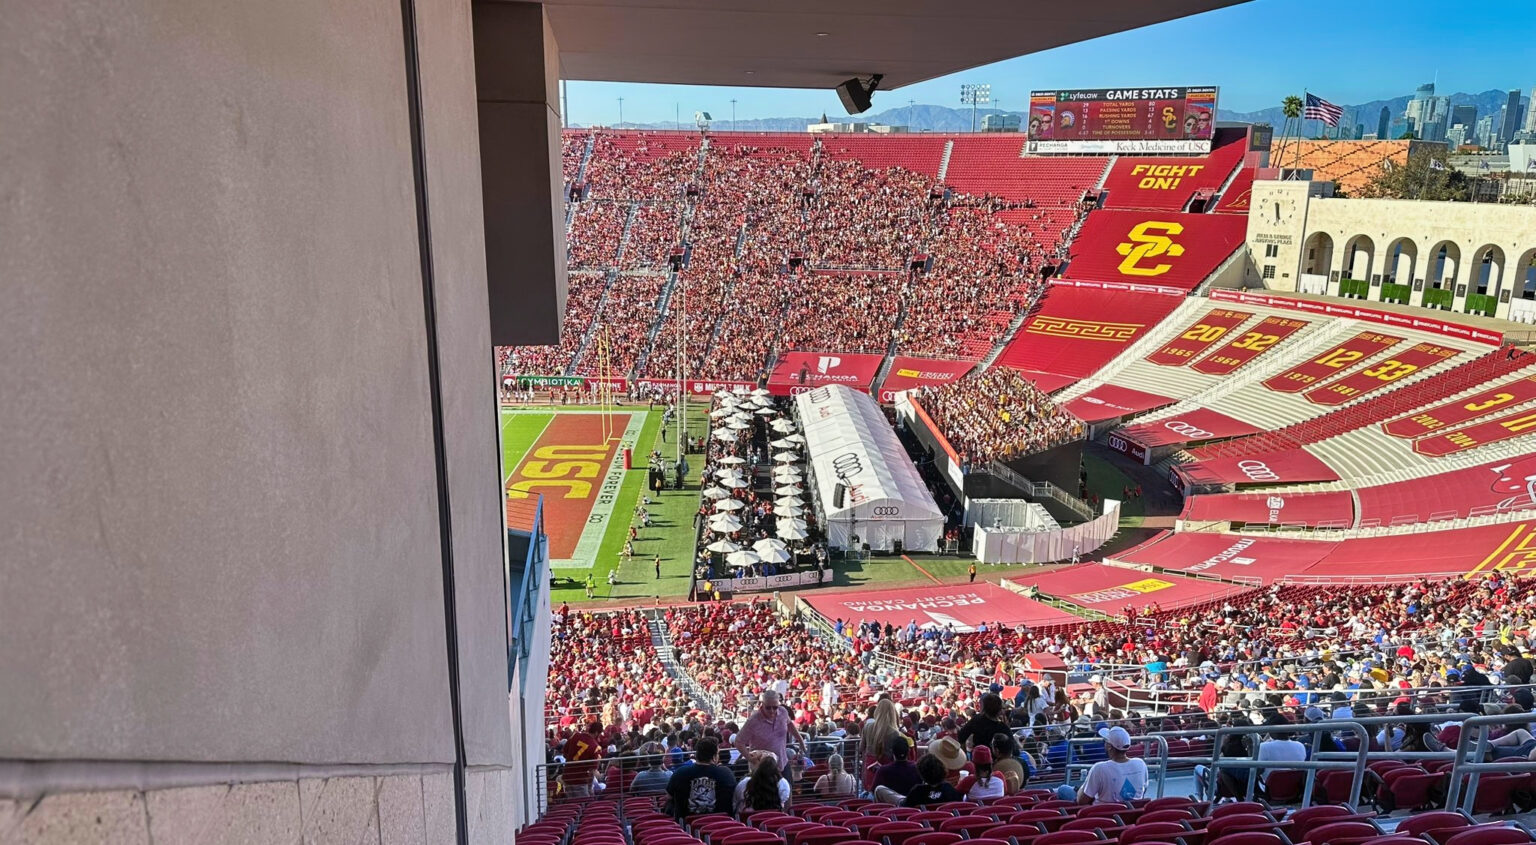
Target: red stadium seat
[{"x": 1490, "y": 835}]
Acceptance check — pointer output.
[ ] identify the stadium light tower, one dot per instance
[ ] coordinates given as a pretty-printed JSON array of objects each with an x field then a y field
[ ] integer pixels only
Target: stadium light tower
[{"x": 973, "y": 95}]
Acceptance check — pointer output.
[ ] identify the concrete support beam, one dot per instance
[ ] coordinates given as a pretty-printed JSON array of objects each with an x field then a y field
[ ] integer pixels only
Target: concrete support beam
[{"x": 517, "y": 76}]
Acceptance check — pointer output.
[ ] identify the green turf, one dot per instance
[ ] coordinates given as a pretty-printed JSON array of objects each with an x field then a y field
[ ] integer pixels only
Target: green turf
[
  {"x": 671, "y": 531},
  {"x": 1107, "y": 482},
  {"x": 518, "y": 434}
]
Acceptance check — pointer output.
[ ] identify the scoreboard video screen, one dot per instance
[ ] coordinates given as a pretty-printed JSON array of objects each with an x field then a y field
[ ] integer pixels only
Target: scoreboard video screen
[{"x": 1122, "y": 120}]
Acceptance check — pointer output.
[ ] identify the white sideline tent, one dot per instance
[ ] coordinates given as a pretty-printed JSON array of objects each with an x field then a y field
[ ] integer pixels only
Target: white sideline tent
[{"x": 848, "y": 441}]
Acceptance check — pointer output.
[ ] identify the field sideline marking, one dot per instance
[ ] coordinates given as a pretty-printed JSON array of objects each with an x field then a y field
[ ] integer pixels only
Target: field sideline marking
[
  {"x": 513, "y": 469},
  {"x": 920, "y": 569}
]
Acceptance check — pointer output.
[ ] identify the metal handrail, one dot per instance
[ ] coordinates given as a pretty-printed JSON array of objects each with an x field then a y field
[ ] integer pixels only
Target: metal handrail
[
  {"x": 1312, "y": 767},
  {"x": 1479, "y": 726}
]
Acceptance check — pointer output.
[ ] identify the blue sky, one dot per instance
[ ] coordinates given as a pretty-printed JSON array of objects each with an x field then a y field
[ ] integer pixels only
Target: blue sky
[{"x": 1350, "y": 51}]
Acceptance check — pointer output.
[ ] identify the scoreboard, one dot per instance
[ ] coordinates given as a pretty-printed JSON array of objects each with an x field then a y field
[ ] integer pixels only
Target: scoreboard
[{"x": 1122, "y": 120}]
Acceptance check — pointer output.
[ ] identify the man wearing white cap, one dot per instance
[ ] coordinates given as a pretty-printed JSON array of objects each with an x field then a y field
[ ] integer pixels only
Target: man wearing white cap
[{"x": 1120, "y": 779}]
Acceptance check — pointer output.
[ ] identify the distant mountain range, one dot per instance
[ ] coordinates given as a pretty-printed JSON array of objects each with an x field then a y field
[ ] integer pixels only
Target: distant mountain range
[{"x": 926, "y": 118}]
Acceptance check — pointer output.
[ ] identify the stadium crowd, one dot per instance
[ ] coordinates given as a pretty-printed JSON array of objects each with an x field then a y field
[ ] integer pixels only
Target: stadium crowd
[
  {"x": 758, "y": 219},
  {"x": 997, "y": 414},
  {"x": 628, "y": 311}
]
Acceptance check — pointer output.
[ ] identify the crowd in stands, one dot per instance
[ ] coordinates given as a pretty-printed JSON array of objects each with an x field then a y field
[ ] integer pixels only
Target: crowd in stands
[
  {"x": 623, "y": 324},
  {"x": 997, "y": 414},
  {"x": 636, "y": 168},
  {"x": 1279, "y": 656},
  {"x": 595, "y": 233},
  {"x": 759, "y": 217},
  {"x": 602, "y": 667},
  {"x": 836, "y": 313},
  {"x": 652, "y": 234},
  {"x": 872, "y": 219}
]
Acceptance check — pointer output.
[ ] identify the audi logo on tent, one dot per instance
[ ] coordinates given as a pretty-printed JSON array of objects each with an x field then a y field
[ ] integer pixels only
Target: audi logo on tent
[
  {"x": 846, "y": 465},
  {"x": 1184, "y": 428},
  {"x": 886, "y": 511},
  {"x": 1257, "y": 471}
]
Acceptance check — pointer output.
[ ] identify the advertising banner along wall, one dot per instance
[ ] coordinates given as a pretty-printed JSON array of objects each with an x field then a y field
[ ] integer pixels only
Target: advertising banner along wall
[
  {"x": 797, "y": 372},
  {"x": 1110, "y": 401},
  {"x": 1292, "y": 466},
  {"x": 965, "y": 606},
  {"x": 1338, "y": 308},
  {"x": 1111, "y": 589},
  {"x": 908, "y": 373}
]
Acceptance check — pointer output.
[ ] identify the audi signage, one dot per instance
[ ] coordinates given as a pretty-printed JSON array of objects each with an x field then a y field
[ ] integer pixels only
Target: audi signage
[
  {"x": 1127, "y": 447},
  {"x": 1184, "y": 429}
]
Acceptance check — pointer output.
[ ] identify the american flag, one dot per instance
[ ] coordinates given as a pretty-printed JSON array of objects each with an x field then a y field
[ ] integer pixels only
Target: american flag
[{"x": 1320, "y": 109}]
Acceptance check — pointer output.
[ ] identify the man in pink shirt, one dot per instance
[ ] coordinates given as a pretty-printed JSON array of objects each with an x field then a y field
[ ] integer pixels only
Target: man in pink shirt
[{"x": 769, "y": 728}]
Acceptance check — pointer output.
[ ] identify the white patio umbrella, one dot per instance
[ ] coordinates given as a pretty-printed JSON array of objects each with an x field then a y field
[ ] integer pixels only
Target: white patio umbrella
[
  {"x": 739, "y": 390},
  {"x": 722, "y": 393},
  {"x": 724, "y": 434},
  {"x": 761, "y": 401},
  {"x": 787, "y": 471},
  {"x": 781, "y": 443},
  {"x": 761, "y": 392},
  {"x": 796, "y": 438},
  {"x": 723, "y": 546},
  {"x": 732, "y": 482},
  {"x": 766, "y": 412},
  {"x": 790, "y": 532},
  {"x": 774, "y": 555},
  {"x": 787, "y": 490},
  {"x": 732, "y": 460},
  {"x": 729, "y": 472},
  {"x": 742, "y": 558},
  {"x": 786, "y": 457},
  {"x": 724, "y": 523},
  {"x": 790, "y": 520},
  {"x": 728, "y": 505},
  {"x": 721, "y": 411},
  {"x": 788, "y": 510},
  {"x": 768, "y": 544},
  {"x": 782, "y": 426},
  {"x": 737, "y": 425},
  {"x": 716, "y": 493}
]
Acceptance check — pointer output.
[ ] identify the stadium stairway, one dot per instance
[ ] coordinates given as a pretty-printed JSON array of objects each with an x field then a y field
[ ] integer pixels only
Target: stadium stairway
[
  {"x": 666, "y": 652},
  {"x": 586, "y": 338}
]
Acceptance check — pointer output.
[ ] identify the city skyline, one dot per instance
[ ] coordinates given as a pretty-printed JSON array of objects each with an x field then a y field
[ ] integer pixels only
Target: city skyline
[{"x": 1479, "y": 52}]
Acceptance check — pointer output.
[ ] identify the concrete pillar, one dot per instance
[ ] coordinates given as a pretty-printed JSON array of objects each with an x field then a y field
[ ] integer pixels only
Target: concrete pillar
[{"x": 517, "y": 77}]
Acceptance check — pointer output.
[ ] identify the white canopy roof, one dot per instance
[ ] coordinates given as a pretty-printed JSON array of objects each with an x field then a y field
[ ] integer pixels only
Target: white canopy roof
[{"x": 849, "y": 441}]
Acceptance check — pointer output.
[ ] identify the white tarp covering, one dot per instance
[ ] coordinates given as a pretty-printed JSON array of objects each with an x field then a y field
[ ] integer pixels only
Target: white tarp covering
[{"x": 849, "y": 442}]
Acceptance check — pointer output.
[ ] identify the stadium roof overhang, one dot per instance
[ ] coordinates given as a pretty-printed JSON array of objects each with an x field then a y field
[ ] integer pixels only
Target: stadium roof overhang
[{"x": 818, "y": 44}]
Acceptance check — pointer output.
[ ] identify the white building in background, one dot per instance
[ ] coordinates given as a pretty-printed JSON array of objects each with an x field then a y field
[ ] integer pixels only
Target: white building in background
[
  {"x": 876, "y": 128},
  {"x": 1303, "y": 239}
]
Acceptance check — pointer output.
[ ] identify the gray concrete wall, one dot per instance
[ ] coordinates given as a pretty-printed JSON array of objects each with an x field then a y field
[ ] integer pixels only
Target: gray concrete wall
[
  {"x": 219, "y": 534},
  {"x": 469, "y": 407}
]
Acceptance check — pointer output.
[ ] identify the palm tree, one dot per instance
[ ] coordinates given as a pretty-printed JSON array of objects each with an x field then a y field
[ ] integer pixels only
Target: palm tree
[{"x": 1291, "y": 107}]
